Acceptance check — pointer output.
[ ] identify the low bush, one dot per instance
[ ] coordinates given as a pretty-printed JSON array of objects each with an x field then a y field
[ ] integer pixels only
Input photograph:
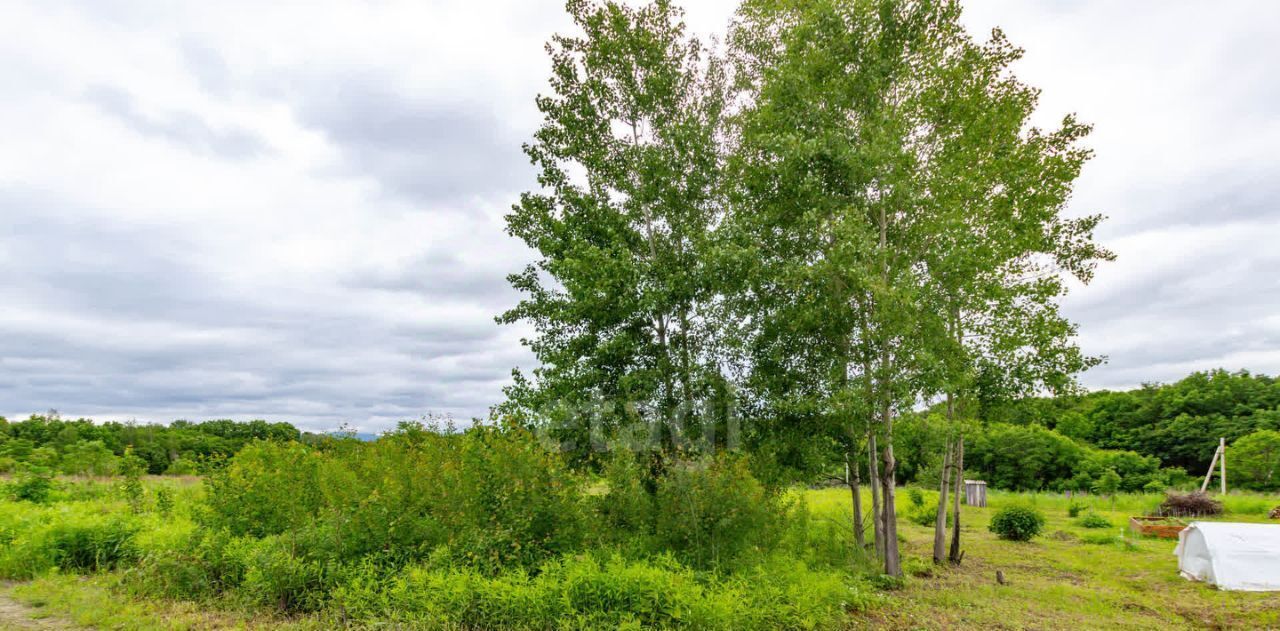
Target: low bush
[
  {"x": 1094, "y": 520},
  {"x": 1074, "y": 509},
  {"x": 1017, "y": 523},
  {"x": 32, "y": 484},
  {"x": 74, "y": 541}
]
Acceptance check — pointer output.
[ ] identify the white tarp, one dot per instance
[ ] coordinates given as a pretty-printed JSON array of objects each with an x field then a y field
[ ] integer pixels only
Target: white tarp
[{"x": 1243, "y": 557}]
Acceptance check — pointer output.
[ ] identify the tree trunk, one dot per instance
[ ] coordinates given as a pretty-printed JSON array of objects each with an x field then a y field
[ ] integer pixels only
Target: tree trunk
[
  {"x": 888, "y": 482},
  {"x": 877, "y": 518},
  {"x": 851, "y": 477},
  {"x": 955, "y": 555},
  {"x": 940, "y": 524}
]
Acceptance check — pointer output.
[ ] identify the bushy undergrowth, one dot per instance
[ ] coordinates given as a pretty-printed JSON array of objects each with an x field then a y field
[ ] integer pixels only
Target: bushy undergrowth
[
  {"x": 66, "y": 538},
  {"x": 488, "y": 529},
  {"x": 611, "y": 592}
]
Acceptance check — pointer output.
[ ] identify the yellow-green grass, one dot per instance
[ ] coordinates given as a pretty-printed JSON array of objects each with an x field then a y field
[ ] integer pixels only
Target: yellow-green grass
[
  {"x": 1058, "y": 581},
  {"x": 99, "y": 602}
]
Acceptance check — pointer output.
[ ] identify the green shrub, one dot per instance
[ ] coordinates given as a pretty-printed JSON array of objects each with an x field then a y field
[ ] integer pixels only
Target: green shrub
[
  {"x": 267, "y": 488},
  {"x": 92, "y": 545},
  {"x": 927, "y": 516},
  {"x": 164, "y": 501},
  {"x": 276, "y": 575},
  {"x": 182, "y": 466},
  {"x": 1099, "y": 538},
  {"x": 1074, "y": 509},
  {"x": 70, "y": 540},
  {"x": 33, "y": 484},
  {"x": 1094, "y": 520},
  {"x": 711, "y": 512},
  {"x": 1017, "y": 523},
  {"x": 626, "y": 508},
  {"x": 494, "y": 495},
  {"x": 916, "y": 496}
]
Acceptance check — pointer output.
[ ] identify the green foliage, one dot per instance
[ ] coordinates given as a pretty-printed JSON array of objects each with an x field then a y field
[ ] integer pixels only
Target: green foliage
[
  {"x": 1017, "y": 523},
  {"x": 1074, "y": 508},
  {"x": 268, "y": 488},
  {"x": 621, "y": 294},
  {"x": 1178, "y": 423},
  {"x": 1094, "y": 520},
  {"x": 709, "y": 513},
  {"x": 1255, "y": 458},
  {"x": 39, "y": 539},
  {"x": 131, "y": 467},
  {"x": 1031, "y": 457},
  {"x": 495, "y": 496},
  {"x": 917, "y": 497},
  {"x": 32, "y": 484},
  {"x": 605, "y": 592},
  {"x": 164, "y": 501},
  {"x": 1108, "y": 483}
]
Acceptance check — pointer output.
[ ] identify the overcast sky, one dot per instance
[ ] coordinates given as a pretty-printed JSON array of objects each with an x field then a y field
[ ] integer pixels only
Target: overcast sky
[{"x": 293, "y": 211}]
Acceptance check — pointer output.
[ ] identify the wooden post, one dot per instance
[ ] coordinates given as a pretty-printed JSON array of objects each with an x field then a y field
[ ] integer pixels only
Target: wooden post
[
  {"x": 1212, "y": 463},
  {"x": 1222, "y": 449}
]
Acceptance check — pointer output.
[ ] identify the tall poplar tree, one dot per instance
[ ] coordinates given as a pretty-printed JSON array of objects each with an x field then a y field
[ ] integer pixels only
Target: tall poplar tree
[
  {"x": 903, "y": 217},
  {"x": 629, "y": 155}
]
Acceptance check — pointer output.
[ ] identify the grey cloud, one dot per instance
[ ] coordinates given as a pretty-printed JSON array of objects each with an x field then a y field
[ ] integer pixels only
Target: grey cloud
[
  {"x": 207, "y": 65},
  {"x": 443, "y": 274},
  {"x": 141, "y": 329},
  {"x": 425, "y": 150},
  {"x": 183, "y": 128}
]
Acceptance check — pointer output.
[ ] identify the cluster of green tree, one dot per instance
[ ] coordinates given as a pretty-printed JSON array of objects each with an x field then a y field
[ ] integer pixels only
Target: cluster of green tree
[
  {"x": 1178, "y": 423},
  {"x": 844, "y": 215},
  {"x": 83, "y": 447},
  {"x": 1031, "y": 457}
]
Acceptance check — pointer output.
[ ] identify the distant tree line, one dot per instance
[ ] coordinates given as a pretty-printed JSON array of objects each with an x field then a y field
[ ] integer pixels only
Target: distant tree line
[
  {"x": 1154, "y": 436},
  {"x": 83, "y": 447}
]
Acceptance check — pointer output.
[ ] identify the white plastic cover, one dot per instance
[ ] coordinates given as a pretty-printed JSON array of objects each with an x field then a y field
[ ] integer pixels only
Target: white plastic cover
[{"x": 1243, "y": 557}]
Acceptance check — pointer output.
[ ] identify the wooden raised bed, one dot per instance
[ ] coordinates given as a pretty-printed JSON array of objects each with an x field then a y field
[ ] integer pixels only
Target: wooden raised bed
[{"x": 1162, "y": 527}]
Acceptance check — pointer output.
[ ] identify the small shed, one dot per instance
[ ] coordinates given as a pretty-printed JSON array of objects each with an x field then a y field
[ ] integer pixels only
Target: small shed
[
  {"x": 975, "y": 492},
  {"x": 1232, "y": 556}
]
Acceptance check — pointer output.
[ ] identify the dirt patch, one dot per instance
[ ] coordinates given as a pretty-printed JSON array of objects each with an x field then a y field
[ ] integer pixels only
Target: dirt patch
[{"x": 15, "y": 615}]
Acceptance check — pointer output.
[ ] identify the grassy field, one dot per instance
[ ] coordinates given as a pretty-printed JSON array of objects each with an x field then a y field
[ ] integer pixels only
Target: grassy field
[
  {"x": 1069, "y": 578},
  {"x": 1060, "y": 581}
]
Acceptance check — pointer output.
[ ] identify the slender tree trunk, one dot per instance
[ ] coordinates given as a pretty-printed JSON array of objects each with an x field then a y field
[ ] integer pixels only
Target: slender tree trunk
[
  {"x": 877, "y": 518},
  {"x": 955, "y": 555},
  {"x": 940, "y": 524},
  {"x": 851, "y": 477},
  {"x": 888, "y": 482}
]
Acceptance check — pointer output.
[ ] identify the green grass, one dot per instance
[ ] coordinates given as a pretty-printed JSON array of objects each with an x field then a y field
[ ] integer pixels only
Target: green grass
[{"x": 1069, "y": 578}]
